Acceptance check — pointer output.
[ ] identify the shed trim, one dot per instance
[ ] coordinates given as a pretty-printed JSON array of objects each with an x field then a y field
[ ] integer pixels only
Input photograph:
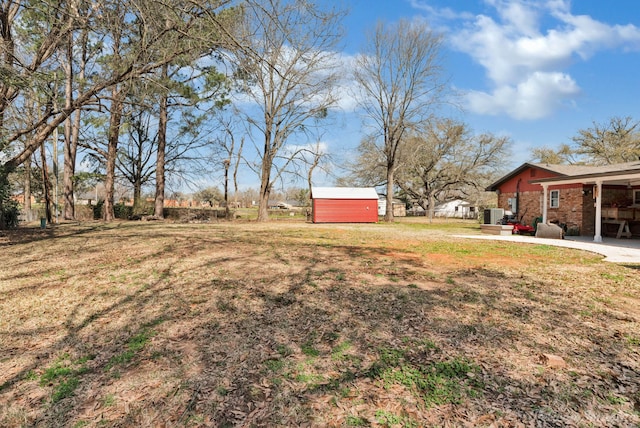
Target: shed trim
[{"x": 344, "y": 193}]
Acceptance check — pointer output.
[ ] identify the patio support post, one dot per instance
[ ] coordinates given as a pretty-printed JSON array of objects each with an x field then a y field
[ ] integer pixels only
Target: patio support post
[
  {"x": 545, "y": 188},
  {"x": 598, "y": 190}
]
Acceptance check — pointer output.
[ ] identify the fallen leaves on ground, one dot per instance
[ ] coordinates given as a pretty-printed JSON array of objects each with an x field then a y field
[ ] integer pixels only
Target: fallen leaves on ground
[{"x": 293, "y": 324}]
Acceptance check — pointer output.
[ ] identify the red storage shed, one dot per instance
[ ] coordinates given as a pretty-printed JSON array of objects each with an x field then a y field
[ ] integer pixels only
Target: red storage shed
[{"x": 344, "y": 204}]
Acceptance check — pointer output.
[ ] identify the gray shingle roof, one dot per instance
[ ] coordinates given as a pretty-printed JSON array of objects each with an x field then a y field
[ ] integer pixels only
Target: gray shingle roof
[
  {"x": 574, "y": 170},
  {"x": 570, "y": 171}
]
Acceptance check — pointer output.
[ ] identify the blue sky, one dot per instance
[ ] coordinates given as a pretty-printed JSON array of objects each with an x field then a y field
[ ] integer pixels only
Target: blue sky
[{"x": 534, "y": 70}]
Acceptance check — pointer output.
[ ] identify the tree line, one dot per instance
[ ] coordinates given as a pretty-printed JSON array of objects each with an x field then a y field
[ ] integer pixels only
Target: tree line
[
  {"x": 143, "y": 89},
  {"x": 606, "y": 143},
  {"x": 70, "y": 66}
]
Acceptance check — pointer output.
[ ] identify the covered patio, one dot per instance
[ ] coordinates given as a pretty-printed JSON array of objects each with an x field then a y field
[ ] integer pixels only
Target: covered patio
[{"x": 621, "y": 176}]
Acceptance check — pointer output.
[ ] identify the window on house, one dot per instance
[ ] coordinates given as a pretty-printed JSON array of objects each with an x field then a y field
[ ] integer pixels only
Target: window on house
[
  {"x": 554, "y": 199},
  {"x": 636, "y": 197}
]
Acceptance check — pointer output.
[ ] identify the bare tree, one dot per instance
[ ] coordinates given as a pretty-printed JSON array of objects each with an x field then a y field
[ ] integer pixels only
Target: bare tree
[
  {"x": 316, "y": 157},
  {"x": 448, "y": 162},
  {"x": 228, "y": 151},
  {"x": 136, "y": 152},
  {"x": 565, "y": 154},
  {"x": 289, "y": 71},
  {"x": 401, "y": 80},
  {"x": 443, "y": 162},
  {"x": 369, "y": 167},
  {"x": 613, "y": 142}
]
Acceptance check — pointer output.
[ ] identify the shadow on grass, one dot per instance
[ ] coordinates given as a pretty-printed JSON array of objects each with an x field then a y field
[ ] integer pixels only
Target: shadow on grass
[
  {"x": 28, "y": 234},
  {"x": 241, "y": 328}
]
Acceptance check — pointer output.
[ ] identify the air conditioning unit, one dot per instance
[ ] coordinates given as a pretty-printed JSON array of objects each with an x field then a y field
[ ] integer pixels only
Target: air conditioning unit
[{"x": 493, "y": 215}]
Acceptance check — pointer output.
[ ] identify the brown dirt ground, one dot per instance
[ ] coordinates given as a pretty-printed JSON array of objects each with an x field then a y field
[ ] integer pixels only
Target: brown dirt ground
[{"x": 294, "y": 324}]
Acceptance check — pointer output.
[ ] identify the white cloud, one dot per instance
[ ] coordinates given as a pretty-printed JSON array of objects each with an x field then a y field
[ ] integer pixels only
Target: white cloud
[
  {"x": 532, "y": 98},
  {"x": 527, "y": 63},
  {"x": 438, "y": 13},
  {"x": 306, "y": 150},
  {"x": 347, "y": 88},
  {"x": 518, "y": 15}
]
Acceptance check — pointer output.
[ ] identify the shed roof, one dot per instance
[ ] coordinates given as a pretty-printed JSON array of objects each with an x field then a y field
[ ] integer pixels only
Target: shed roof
[{"x": 344, "y": 193}]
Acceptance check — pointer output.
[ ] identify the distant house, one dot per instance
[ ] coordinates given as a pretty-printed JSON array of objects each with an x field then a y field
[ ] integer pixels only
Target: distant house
[
  {"x": 19, "y": 198},
  {"x": 399, "y": 207},
  {"x": 177, "y": 203},
  {"x": 85, "y": 198},
  {"x": 344, "y": 205},
  {"x": 590, "y": 199},
  {"x": 281, "y": 205},
  {"x": 455, "y": 209}
]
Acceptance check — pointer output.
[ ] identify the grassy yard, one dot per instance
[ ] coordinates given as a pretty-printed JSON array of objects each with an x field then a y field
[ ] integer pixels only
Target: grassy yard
[{"x": 294, "y": 324}]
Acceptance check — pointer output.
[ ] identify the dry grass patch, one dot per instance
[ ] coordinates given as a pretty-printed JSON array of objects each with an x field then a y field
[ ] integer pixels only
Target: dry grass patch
[{"x": 293, "y": 324}]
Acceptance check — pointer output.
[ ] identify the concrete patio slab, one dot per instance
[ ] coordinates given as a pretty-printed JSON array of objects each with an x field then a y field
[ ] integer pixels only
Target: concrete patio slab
[{"x": 614, "y": 250}]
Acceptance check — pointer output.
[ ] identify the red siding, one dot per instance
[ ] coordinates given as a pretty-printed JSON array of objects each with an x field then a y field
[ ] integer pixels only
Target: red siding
[
  {"x": 524, "y": 177},
  {"x": 345, "y": 210},
  {"x": 575, "y": 210}
]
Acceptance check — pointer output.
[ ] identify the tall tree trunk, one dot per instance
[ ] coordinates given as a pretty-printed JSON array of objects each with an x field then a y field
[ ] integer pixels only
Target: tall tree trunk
[
  {"x": 69, "y": 172},
  {"x": 45, "y": 183},
  {"x": 112, "y": 152},
  {"x": 388, "y": 215},
  {"x": 69, "y": 144},
  {"x": 137, "y": 179},
  {"x": 265, "y": 184},
  {"x": 227, "y": 211},
  {"x": 263, "y": 205},
  {"x": 75, "y": 136},
  {"x": 7, "y": 90},
  {"x": 432, "y": 206},
  {"x": 235, "y": 172},
  {"x": 137, "y": 193},
  {"x": 117, "y": 105},
  {"x": 27, "y": 185},
  {"x": 158, "y": 210}
]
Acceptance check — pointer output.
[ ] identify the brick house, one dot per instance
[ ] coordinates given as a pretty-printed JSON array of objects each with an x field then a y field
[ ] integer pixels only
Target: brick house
[{"x": 588, "y": 199}]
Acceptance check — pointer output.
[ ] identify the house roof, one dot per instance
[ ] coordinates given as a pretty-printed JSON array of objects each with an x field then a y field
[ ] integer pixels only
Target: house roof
[
  {"x": 612, "y": 174},
  {"x": 452, "y": 203},
  {"x": 574, "y": 173},
  {"x": 344, "y": 193}
]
